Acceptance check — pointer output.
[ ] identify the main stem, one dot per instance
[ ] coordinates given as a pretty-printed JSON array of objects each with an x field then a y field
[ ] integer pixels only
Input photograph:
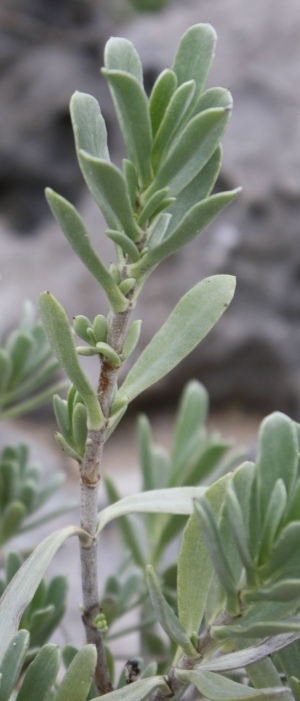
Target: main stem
[{"x": 90, "y": 480}]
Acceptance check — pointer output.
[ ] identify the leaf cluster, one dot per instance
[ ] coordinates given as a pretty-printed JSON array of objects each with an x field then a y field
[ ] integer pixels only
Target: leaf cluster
[
  {"x": 21, "y": 493},
  {"x": 26, "y": 367}
]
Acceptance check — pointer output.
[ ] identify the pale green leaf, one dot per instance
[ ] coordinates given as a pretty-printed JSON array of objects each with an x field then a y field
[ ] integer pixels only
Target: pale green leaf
[
  {"x": 11, "y": 519},
  {"x": 77, "y": 680},
  {"x": 138, "y": 691},
  {"x": 108, "y": 185},
  {"x": 257, "y": 630},
  {"x": 178, "y": 500},
  {"x": 152, "y": 205},
  {"x": 88, "y": 125},
  {"x": 218, "y": 688},
  {"x": 189, "y": 227},
  {"x": 195, "y": 54},
  {"x": 120, "y": 54},
  {"x": 198, "y": 189},
  {"x": 190, "y": 321},
  {"x": 40, "y": 675},
  {"x": 174, "y": 113},
  {"x": 5, "y": 370},
  {"x": 284, "y": 590},
  {"x": 277, "y": 456},
  {"x": 191, "y": 151},
  {"x": 191, "y": 415},
  {"x": 250, "y": 655},
  {"x": 75, "y": 231},
  {"x": 162, "y": 91},
  {"x": 209, "y": 527},
  {"x": 126, "y": 244},
  {"x": 195, "y": 569},
  {"x": 59, "y": 335},
  {"x": 12, "y": 663},
  {"x": 131, "y": 106},
  {"x": 275, "y": 511},
  {"x": 22, "y": 587},
  {"x": 214, "y": 97},
  {"x": 284, "y": 553},
  {"x": 166, "y": 616}
]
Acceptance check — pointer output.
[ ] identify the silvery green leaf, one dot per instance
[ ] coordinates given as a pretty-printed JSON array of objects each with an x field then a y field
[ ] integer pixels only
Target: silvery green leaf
[
  {"x": 59, "y": 335},
  {"x": 77, "y": 680},
  {"x": 166, "y": 616},
  {"x": 191, "y": 151},
  {"x": 12, "y": 663},
  {"x": 125, "y": 243},
  {"x": 41, "y": 674},
  {"x": 189, "y": 227},
  {"x": 170, "y": 123},
  {"x": 284, "y": 590},
  {"x": 214, "y": 97},
  {"x": 236, "y": 518},
  {"x": 277, "y": 456},
  {"x": 62, "y": 417},
  {"x": 195, "y": 54},
  {"x": 21, "y": 589},
  {"x": 209, "y": 527},
  {"x": 106, "y": 350},
  {"x": 275, "y": 511},
  {"x": 195, "y": 569},
  {"x": 158, "y": 230},
  {"x": 198, "y": 189},
  {"x": 249, "y": 655},
  {"x": 75, "y": 231},
  {"x": 138, "y": 691},
  {"x": 152, "y": 205},
  {"x": 257, "y": 630},
  {"x": 88, "y": 125},
  {"x": 145, "y": 452},
  {"x": 120, "y": 54},
  {"x": 130, "y": 176},
  {"x": 180, "y": 334},
  {"x": 284, "y": 553},
  {"x": 178, "y": 500},
  {"x": 107, "y": 184},
  {"x": 132, "y": 110},
  {"x": 79, "y": 427},
  {"x": 162, "y": 91},
  {"x": 218, "y": 688},
  {"x": 191, "y": 414}
]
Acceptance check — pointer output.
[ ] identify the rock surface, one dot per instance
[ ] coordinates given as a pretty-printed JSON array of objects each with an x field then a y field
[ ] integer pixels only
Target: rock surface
[{"x": 253, "y": 354}]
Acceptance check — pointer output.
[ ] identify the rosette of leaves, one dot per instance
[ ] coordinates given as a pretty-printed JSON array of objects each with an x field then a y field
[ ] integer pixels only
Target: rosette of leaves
[
  {"x": 21, "y": 494},
  {"x": 26, "y": 366},
  {"x": 238, "y": 576},
  {"x": 155, "y": 205}
]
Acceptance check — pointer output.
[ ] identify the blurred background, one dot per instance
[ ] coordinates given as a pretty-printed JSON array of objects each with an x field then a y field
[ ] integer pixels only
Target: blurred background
[
  {"x": 250, "y": 363},
  {"x": 49, "y": 48}
]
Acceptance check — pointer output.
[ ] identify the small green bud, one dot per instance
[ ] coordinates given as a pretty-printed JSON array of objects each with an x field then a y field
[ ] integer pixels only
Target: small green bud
[
  {"x": 101, "y": 623},
  {"x": 81, "y": 324},
  {"x": 91, "y": 336},
  {"x": 86, "y": 350},
  {"x": 100, "y": 328}
]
